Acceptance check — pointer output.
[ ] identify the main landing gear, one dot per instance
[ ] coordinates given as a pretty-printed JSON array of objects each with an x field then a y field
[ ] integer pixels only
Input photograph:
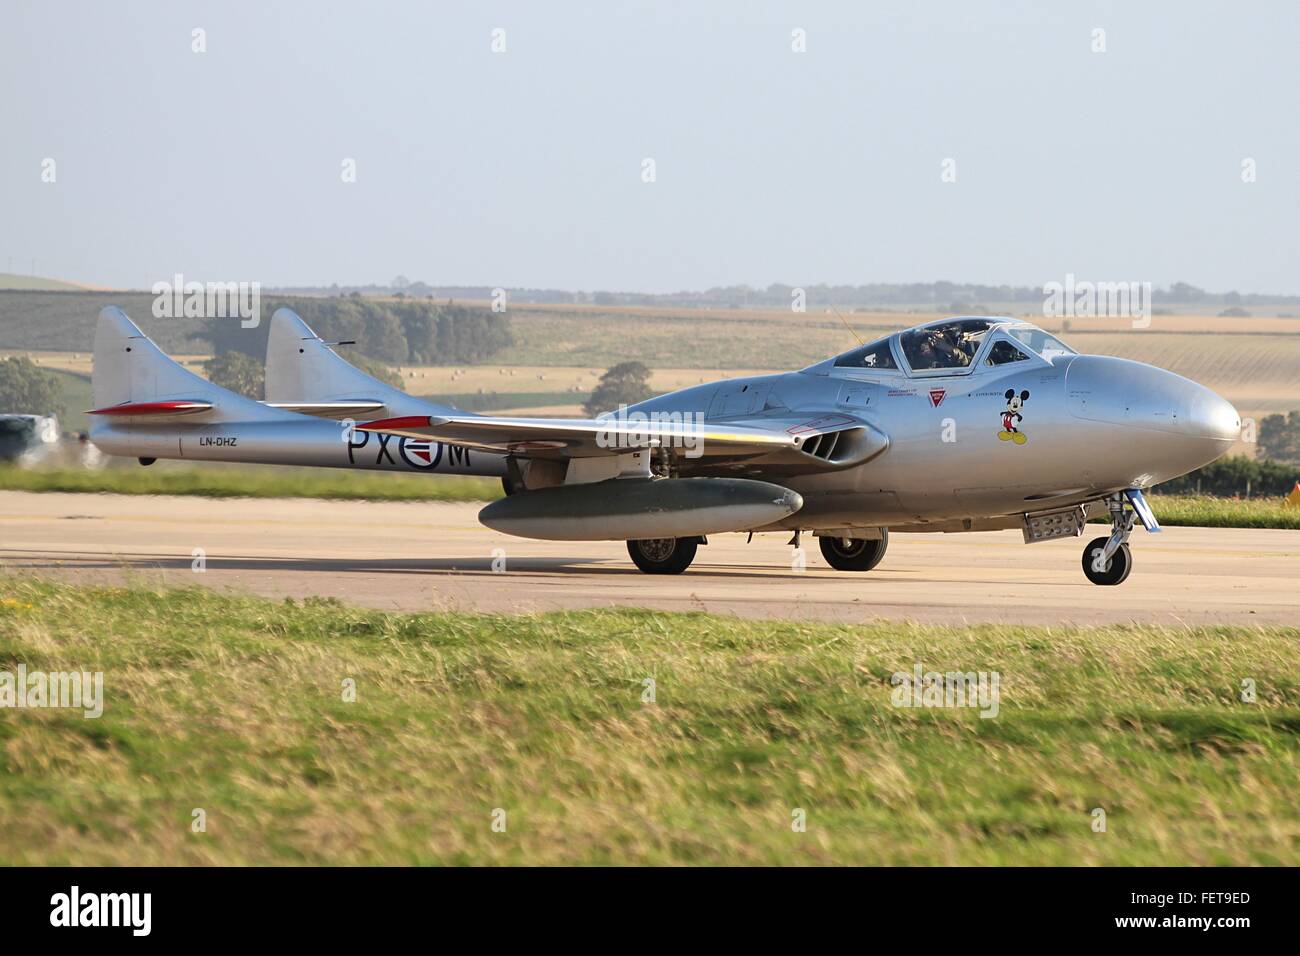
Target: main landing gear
[
  {"x": 674, "y": 555},
  {"x": 854, "y": 554},
  {"x": 1108, "y": 561},
  {"x": 663, "y": 555}
]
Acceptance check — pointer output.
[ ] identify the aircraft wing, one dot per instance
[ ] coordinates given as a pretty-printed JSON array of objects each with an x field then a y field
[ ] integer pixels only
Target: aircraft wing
[{"x": 590, "y": 437}]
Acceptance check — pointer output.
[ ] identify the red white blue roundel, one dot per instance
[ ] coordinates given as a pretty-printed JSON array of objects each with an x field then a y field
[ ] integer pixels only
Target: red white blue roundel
[{"x": 420, "y": 453}]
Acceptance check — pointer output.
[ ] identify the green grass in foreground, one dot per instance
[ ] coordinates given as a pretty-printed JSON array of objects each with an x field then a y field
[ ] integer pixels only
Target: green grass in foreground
[
  {"x": 266, "y": 481},
  {"x": 234, "y": 705}
]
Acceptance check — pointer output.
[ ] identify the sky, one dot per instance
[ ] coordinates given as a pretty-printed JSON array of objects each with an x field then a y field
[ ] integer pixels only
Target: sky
[{"x": 988, "y": 142}]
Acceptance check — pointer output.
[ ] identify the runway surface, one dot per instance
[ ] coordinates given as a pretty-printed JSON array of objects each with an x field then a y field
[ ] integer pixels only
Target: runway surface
[{"x": 423, "y": 556}]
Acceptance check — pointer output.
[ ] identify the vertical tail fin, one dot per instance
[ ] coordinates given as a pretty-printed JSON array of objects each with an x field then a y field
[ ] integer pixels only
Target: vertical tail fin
[
  {"x": 304, "y": 373},
  {"x": 130, "y": 372},
  {"x": 112, "y": 379}
]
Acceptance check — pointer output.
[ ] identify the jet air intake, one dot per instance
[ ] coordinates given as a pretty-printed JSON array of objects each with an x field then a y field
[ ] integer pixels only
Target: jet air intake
[
  {"x": 628, "y": 509},
  {"x": 848, "y": 446}
]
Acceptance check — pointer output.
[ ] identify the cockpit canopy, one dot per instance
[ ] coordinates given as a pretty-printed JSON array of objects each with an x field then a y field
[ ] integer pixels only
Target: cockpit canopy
[
  {"x": 946, "y": 345},
  {"x": 954, "y": 346}
]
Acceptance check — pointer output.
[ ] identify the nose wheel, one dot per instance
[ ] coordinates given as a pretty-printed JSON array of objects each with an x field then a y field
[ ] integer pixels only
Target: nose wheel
[
  {"x": 1101, "y": 569},
  {"x": 1108, "y": 561}
]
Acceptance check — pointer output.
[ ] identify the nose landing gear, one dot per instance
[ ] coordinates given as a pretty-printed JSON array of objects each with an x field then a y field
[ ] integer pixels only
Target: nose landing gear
[
  {"x": 1108, "y": 561},
  {"x": 1103, "y": 569}
]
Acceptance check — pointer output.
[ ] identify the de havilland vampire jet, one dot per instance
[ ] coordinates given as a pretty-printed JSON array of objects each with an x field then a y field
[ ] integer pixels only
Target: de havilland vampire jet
[{"x": 964, "y": 424}]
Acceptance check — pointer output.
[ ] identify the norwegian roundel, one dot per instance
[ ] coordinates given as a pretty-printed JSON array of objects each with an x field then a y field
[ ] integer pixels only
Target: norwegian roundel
[{"x": 421, "y": 453}]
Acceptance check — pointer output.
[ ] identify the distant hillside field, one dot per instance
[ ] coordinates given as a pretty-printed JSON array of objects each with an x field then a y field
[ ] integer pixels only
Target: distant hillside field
[
  {"x": 9, "y": 280},
  {"x": 388, "y": 330},
  {"x": 65, "y": 321}
]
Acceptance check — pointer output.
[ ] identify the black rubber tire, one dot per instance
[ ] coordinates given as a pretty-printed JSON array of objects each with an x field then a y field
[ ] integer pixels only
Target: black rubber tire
[
  {"x": 863, "y": 554},
  {"x": 654, "y": 556},
  {"x": 1116, "y": 572}
]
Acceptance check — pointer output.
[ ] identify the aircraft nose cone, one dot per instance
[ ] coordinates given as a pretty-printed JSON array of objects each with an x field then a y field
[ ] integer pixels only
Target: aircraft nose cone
[
  {"x": 1105, "y": 389},
  {"x": 1177, "y": 424},
  {"x": 1209, "y": 415}
]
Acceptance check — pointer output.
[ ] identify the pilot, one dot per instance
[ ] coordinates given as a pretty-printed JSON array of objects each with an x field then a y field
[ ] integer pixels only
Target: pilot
[
  {"x": 927, "y": 351},
  {"x": 942, "y": 348},
  {"x": 957, "y": 346}
]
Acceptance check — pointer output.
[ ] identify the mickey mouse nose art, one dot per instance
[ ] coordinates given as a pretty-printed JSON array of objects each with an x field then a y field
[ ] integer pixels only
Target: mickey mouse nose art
[{"x": 1011, "y": 416}]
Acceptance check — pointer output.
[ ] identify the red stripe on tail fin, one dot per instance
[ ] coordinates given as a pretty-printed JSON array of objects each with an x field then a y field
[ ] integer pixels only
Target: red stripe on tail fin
[{"x": 153, "y": 408}]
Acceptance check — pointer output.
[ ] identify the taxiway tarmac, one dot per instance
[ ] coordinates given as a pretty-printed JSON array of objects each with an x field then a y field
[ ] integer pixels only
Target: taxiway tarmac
[{"x": 422, "y": 556}]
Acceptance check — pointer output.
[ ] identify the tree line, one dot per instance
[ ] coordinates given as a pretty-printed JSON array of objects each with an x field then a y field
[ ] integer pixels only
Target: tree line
[
  {"x": 1236, "y": 476},
  {"x": 404, "y": 332}
]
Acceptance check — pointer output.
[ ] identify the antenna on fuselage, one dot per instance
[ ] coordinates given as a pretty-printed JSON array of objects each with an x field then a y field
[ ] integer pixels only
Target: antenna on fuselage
[{"x": 847, "y": 326}]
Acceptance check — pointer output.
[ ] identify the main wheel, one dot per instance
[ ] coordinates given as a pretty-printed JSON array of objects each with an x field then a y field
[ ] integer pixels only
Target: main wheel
[
  {"x": 1116, "y": 569},
  {"x": 854, "y": 554},
  {"x": 663, "y": 555}
]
